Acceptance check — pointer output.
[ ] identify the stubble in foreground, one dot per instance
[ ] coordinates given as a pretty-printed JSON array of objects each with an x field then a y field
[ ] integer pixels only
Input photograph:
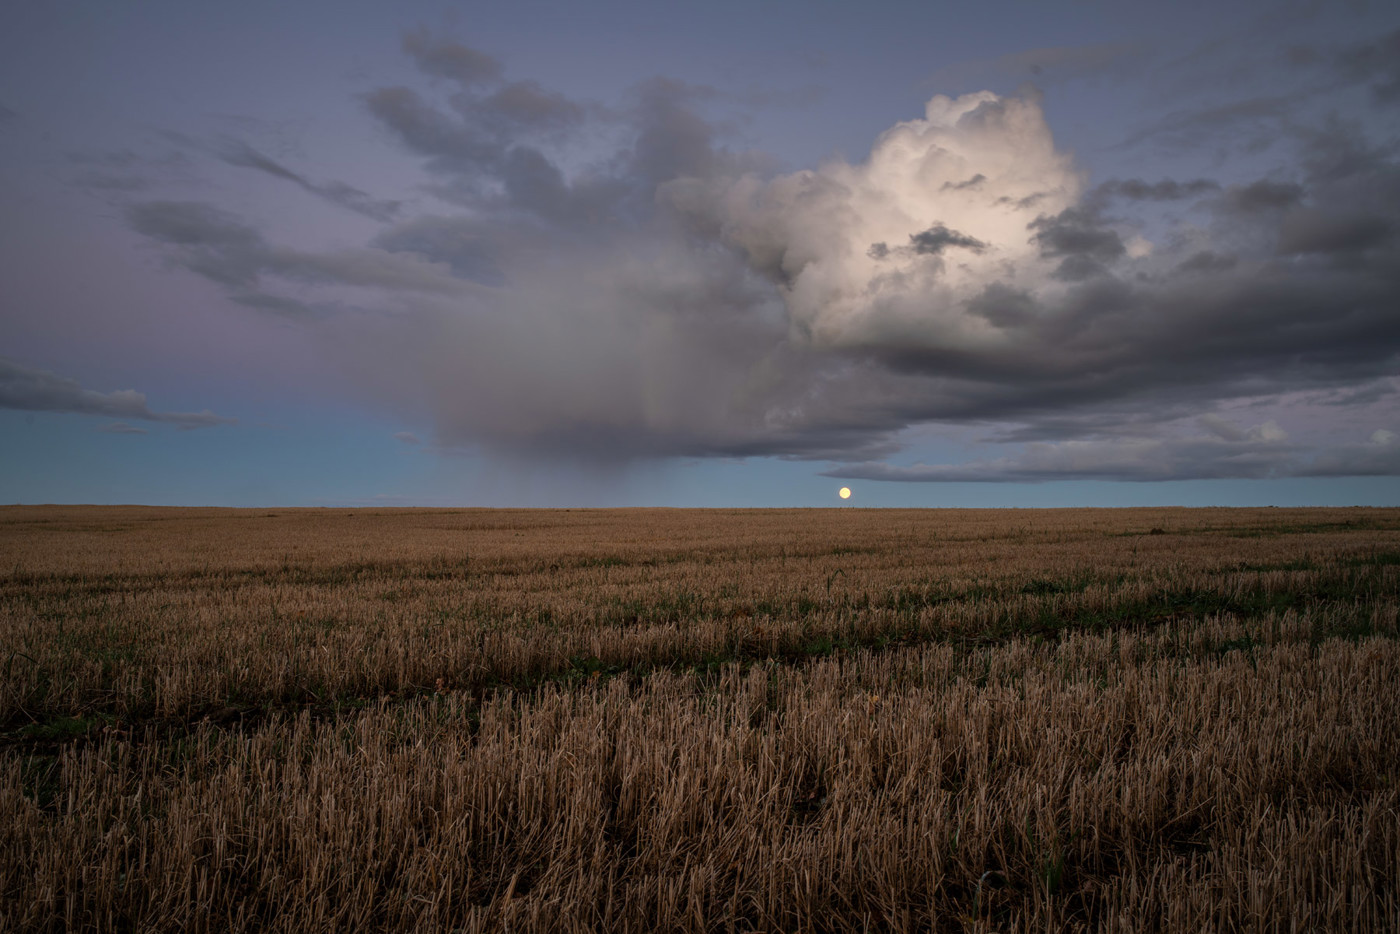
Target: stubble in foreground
[{"x": 613, "y": 720}]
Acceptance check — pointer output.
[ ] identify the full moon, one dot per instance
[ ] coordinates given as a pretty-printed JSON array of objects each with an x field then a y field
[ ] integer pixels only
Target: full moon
[{"x": 845, "y": 492}]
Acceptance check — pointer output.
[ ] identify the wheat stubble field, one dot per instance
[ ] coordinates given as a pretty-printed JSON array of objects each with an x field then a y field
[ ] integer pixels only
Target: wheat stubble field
[{"x": 829, "y": 720}]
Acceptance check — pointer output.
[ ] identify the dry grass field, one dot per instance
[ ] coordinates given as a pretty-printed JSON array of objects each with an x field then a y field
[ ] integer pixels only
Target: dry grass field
[{"x": 829, "y": 720}]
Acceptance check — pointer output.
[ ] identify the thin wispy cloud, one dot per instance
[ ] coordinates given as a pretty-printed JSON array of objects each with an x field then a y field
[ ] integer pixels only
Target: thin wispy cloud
[{"x": 238, "y": 153}]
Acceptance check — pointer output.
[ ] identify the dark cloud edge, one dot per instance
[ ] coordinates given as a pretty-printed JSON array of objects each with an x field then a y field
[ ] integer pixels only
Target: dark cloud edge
[
  {"x": 27, "y": 389},
  {"x": 1363, "y": 460}
]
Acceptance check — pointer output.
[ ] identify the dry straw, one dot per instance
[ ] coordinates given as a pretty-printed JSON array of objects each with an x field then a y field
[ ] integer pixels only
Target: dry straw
[{"x": 636, "y": 721}]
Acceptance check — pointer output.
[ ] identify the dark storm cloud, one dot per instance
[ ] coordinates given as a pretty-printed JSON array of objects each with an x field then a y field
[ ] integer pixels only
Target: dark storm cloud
[
  {"x": 1165, "y": 190},
  {"x": 1135, "y": 189},
  {"x": 451, "y": 147},
  {"x": 491, "y": 142},
  {"x": 32, "y": 390},
  {"x": 1074, "y": 232},
  {"x": 1338, "y": 156},
  {"x": 1003, "y": 306},
  {"x": 500, "y": 147},
  {"x": 1078, "y": 267},
  {"x": 1121, "y": 421},
  {"x": 673, "y": 140},
  {"x": 1360, "y": 395},
  {"x": 443, "y": 58},
  {"x": 1085, "y": 246},
  {"x": 1322, "y": 231},
  {"x": 481, "y": 160},
  {"x": 1263, "y": 195},
  {"x": 235, "y": 152},
  {"x": 209, "y": 241},
  {"x": 1379, "y": 457},
  {"x": 612, "y": 283},
  {"x": 1182, "y": 336},
  {"x": 1376, "y": 63},
  {"x": 522, "y": 107},
  {"x": 931, "y": 242},
  {"x": 7, "y": 115},
  {"x": 972, "y": 182},
  {"x": 223, "y": 249},
  {"x": 1204, "y": 324},
  {"x": 938, "y": 238},
  {"x": 1224, "y": 451},
  {"x": 1141, "y": 460},
  {"x": 1206, "y": 261}
]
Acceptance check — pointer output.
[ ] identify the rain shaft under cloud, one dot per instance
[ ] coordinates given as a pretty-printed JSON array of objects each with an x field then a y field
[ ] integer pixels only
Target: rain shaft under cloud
[{"x": 613, "y": 282}]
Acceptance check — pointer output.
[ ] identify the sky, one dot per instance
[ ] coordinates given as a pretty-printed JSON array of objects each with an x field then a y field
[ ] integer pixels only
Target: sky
[{"x": 685, "y": 254}]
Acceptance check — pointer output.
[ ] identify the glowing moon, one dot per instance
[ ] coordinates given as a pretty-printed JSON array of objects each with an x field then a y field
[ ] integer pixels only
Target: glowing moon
[{"x": 845, "y": 492}]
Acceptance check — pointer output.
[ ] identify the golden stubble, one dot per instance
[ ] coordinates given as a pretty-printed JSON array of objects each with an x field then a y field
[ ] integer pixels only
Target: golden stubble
[{"x": 647, "y": 720}]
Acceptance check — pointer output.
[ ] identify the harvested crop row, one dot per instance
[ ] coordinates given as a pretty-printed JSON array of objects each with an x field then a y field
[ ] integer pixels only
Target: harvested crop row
[
  {"x": 183, "y": 613},
  {"x": 635, "y": 720},
  {"x": 1104, "y": 782}
]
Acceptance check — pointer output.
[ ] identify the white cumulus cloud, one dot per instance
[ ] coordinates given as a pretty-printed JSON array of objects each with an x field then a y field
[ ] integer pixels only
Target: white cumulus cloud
[{"x": 897, "y": 244}]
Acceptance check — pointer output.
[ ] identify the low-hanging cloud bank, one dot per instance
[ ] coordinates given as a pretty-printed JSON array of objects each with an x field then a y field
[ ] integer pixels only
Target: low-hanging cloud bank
[
  {"x": 33, "y": 390},
  {"x": 1223, "y": 452},
  {"x": 663, "y": 295}
]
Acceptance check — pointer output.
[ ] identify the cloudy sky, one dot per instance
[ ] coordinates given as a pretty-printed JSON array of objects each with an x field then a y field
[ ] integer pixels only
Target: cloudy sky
[{"x": 1015, "y": 253}]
